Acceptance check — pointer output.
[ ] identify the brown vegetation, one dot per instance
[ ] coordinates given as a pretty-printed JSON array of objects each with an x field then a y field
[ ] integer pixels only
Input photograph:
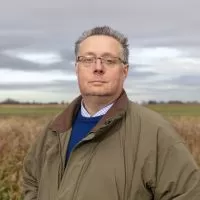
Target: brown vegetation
[
  {"x": 16, "y": 136},
  {"x": 189, "y": 129}
]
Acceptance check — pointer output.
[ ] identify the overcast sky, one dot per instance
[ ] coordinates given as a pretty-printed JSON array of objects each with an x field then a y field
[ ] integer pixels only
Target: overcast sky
[{"x": 37, "y": 40}]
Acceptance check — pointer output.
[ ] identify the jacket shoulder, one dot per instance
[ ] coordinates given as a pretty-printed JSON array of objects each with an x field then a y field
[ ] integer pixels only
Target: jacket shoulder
[
  {"x": 154, "y": 124},
  {"x": 147, "y": 114}
]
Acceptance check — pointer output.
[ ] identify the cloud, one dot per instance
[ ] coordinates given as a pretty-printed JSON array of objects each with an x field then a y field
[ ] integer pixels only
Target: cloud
[
  {"x": 188, "y": 80},
  {"x": 152, "y": 23},
  {"x": 37, "y": 45},
  {"x": 40, "y": 86},
  {"x": 9, "y": 76},
  {"x": 44, "y": 61},
  {"x": 38, "y": 57}
]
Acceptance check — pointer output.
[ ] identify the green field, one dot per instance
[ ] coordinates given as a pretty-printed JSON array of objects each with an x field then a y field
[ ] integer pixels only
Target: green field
[
  {"x": 40, "y": 110},
  {"x": 30, "y": 110},
  {"x": 177, "y": 109}
]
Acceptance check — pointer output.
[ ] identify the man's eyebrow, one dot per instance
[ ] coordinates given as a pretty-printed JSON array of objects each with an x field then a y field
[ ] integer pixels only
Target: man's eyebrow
[
  {"x": 90, "y": 53},
  {"x": 108, "y": 54}
]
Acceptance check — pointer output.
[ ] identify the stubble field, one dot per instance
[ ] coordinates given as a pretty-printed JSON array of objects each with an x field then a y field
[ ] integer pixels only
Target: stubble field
[{"x": 19, "y": 126}]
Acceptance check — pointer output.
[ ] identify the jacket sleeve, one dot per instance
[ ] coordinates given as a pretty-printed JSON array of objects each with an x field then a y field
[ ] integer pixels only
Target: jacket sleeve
[
  {"x": 178, "y": 176},
  {"x": 30, "y": 180},
  {"x": 32, "y": 167}
]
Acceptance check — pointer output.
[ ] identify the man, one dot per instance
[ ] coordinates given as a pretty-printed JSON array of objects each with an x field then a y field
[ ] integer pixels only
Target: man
[{"x": 103, "y": 146}]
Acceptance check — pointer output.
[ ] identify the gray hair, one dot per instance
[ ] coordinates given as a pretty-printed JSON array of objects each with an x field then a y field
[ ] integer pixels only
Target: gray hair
[{"x": 107, "y": 31}]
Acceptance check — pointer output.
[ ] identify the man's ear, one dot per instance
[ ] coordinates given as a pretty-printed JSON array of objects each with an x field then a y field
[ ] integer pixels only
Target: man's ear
[
  {"x": 125, "y": 70},
  {"x": 76, "y": 68}
]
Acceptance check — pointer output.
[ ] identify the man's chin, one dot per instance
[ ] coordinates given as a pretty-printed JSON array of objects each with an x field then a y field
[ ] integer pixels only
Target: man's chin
[{"x": 98, "y": 93}]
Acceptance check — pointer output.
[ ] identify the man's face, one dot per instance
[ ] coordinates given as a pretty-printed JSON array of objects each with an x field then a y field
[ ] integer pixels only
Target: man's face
[{"x": 103, "y": 77}]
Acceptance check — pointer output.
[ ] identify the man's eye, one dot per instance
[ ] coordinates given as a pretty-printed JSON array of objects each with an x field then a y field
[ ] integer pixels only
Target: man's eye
[
  {"x": 110, "y": 61},
  {"x": 88, "y": 60}
]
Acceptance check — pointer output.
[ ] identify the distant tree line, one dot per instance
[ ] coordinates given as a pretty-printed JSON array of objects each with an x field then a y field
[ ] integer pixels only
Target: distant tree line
[
  {"x": 170, "y": 102},
  {"x": 14, "y": 102},
  {"x": 150, "y": 102}
]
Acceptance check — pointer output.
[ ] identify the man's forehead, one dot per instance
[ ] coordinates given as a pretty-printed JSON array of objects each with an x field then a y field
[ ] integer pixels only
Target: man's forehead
[
  {"x": 99, "y": 39},
  {"x": 105, "y": 54},
  {"x": 100, "y": 44}
]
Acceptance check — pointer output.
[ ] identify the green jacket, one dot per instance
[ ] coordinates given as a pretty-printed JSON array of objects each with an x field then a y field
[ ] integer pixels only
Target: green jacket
[{"x": 131, "y": 154}]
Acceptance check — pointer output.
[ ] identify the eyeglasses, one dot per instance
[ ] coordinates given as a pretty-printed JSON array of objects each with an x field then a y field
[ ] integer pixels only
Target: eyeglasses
[{"x": 109, "y": 61}]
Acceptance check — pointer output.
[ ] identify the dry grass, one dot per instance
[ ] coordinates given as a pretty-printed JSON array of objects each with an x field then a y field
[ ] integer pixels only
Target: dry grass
[
  {"x": 189, "y": 129},
  {"x": 16, "y": 136},
  {"x": 18, "y": 133}
]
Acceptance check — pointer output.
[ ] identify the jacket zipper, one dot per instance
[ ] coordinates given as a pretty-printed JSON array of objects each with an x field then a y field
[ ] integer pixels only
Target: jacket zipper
[
  {"x": 62, "y": 167},
  {"x": 81, "y": 174},
  {"x": 89, "y": 137}
]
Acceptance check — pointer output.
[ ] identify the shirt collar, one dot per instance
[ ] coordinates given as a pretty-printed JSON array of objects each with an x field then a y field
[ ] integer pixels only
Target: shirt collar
[{"x": 101, "y": 112}]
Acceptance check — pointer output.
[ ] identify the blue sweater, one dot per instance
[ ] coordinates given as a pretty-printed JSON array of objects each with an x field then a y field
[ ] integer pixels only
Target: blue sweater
[{"x": 80, "y": 128}]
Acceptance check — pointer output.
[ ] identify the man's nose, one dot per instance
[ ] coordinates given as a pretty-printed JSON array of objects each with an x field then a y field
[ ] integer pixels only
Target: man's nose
[{"x": 98, "y": 67}]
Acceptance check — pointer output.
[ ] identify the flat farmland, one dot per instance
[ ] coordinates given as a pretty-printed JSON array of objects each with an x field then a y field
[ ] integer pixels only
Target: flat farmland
[
  {"x": 177, "y": 109},
  {"x": 42, "y": 110},
  {"x": 30, "y": 110},
  {"x": 21, "y": 124}
]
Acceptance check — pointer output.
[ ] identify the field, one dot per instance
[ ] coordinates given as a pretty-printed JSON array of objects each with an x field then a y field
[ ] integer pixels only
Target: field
[
  {"x": 19, "y": 126},
  {"x": 30, "y": 110},
  {"x": 44, "y": 110},
  {"x": 177, "y": 110}
]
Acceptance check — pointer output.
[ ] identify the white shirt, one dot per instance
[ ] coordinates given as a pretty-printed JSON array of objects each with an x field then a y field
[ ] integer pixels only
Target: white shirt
[{"x": 103, "y": 111}]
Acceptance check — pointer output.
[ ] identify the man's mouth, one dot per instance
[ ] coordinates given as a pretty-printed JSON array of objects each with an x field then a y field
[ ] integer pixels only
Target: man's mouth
[{"x": 98, "y": 82}]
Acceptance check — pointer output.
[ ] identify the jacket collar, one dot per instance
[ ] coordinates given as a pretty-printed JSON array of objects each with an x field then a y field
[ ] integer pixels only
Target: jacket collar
[{"x": 63, "y": 121}]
